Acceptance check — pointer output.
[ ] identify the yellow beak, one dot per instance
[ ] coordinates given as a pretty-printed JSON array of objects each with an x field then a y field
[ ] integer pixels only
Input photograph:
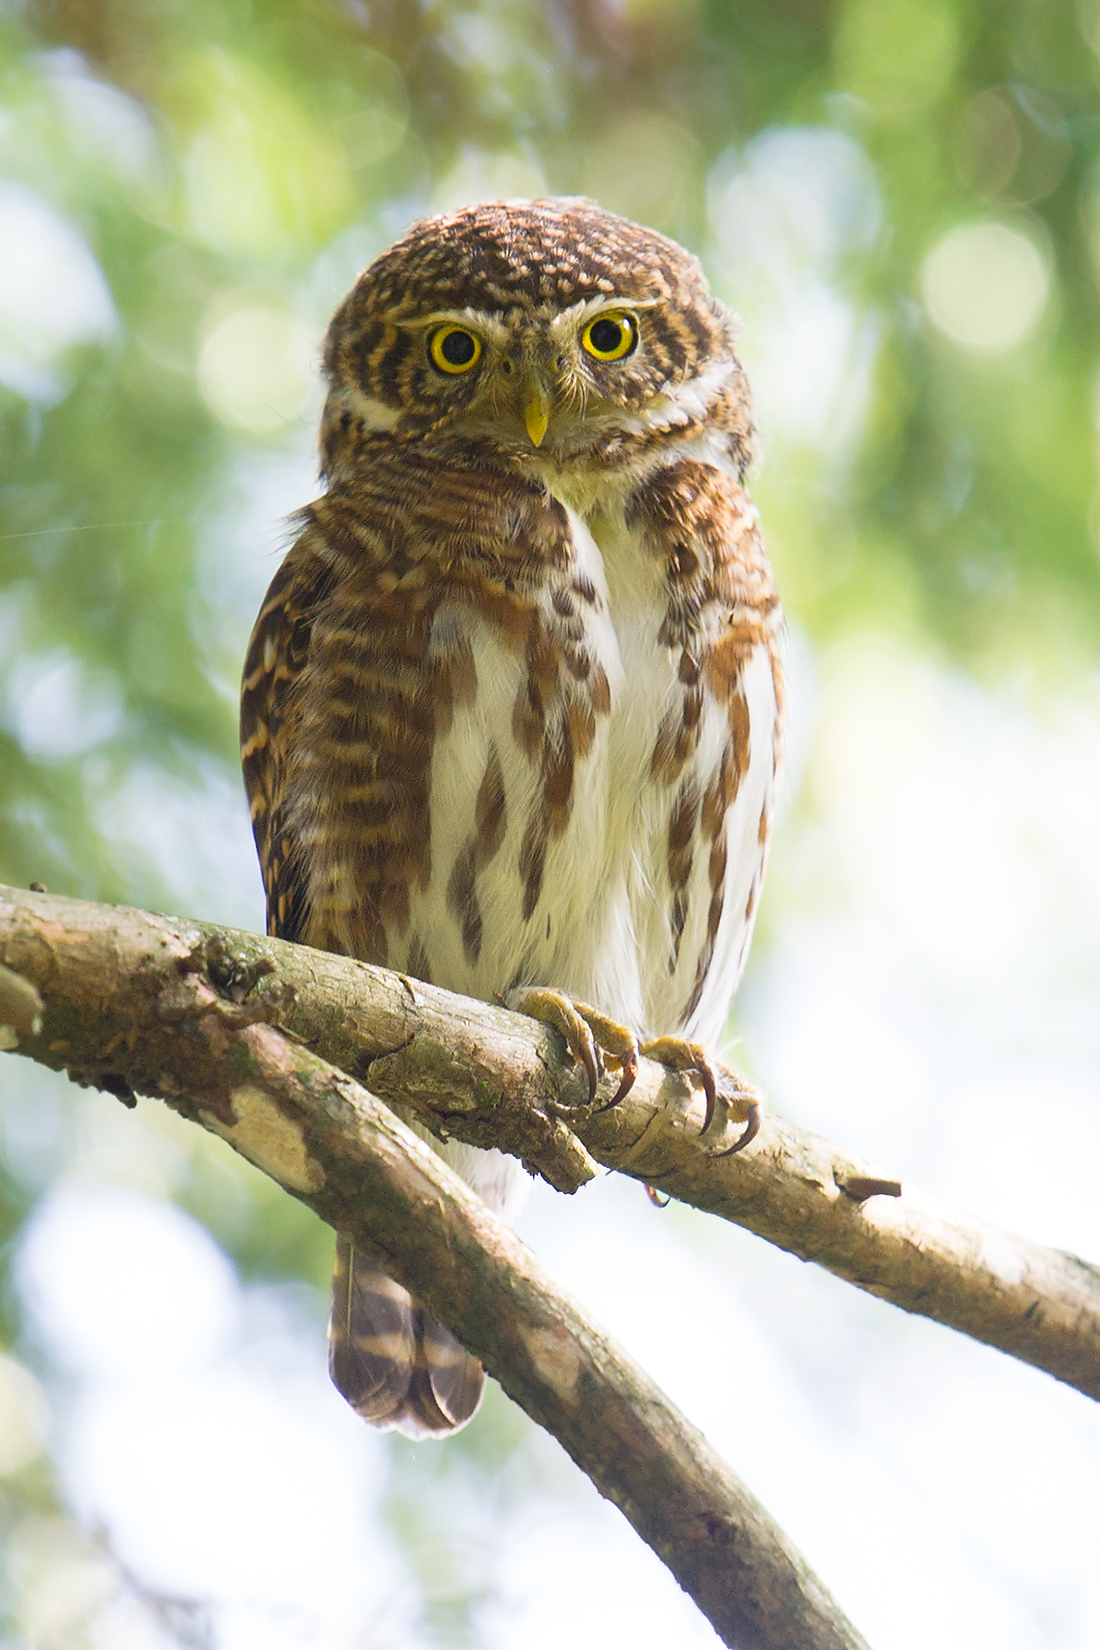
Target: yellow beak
[{"x": 536, "y": 411}]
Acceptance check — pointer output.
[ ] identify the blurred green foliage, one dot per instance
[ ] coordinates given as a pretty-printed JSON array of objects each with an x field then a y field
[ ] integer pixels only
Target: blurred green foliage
[{"x": 187, "y": 188}]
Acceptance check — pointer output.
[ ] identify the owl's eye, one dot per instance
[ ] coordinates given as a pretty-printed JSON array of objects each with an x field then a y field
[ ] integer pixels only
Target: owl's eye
[
  {"x": 611, "y": 336},
  {"x": 453, "y": 349}
]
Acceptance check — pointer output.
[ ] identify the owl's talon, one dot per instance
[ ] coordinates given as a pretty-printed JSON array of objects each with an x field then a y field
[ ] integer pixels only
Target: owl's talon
[
  {"x": 618, "y": 1043},
  {"x": 569, "y": 1018},
  {"x": 586, "y": 1053},
  {"x": 705, "y": 1073},
  {"x": 588, "y": 1032},
  {"x": 692, "y": 1059},
  {"x": 628, "y": 1064},
  {"x": 748, "y": 1133}
]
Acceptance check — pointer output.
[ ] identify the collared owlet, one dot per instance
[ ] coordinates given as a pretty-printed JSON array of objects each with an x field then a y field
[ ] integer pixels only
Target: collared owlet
[{"x": 512, "y": 706}]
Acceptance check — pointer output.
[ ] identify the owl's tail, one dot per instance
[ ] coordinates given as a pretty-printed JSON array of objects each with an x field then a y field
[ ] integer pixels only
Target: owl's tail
[{"x": 395, "y": 1363}]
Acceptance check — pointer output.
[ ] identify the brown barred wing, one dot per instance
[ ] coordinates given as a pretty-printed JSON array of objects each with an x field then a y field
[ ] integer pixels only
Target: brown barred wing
[
  {"x": 717, "y": 749},
  {"x": 394, "y": 1362},
  {"x": 277, "y": 652},
  {"x": 341, "y": 702}
]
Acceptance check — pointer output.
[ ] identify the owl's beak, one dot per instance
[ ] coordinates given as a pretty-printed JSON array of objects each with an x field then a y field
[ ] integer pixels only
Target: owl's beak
[{"x": 536, "y": 410}]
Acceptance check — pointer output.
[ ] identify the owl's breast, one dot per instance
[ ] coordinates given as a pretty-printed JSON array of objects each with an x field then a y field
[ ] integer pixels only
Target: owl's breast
[{"x": 598, "y": 812}]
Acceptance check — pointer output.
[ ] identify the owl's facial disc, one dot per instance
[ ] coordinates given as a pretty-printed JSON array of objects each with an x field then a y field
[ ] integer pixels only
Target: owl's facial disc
[
  {"x": 559, "y": 375},
  {"x": 561, "y": 382}
]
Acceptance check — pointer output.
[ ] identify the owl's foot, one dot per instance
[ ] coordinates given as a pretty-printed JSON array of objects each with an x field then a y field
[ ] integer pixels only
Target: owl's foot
[
  {"x": 736, "y": 1106},
  {"x": 679, "y": 1055},
  {"x": 588, "y": 1034}
]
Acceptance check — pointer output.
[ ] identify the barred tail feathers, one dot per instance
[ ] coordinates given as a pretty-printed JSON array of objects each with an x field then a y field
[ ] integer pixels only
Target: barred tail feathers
[{"x": 392, "y": 1359}]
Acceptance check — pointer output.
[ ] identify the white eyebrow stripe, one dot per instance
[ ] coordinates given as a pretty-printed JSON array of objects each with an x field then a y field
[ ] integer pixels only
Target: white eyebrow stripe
[
  {"x": 493, "y": 329},
  {"x": 490, "y": 326},
  {"x": 579, "y": 312}
]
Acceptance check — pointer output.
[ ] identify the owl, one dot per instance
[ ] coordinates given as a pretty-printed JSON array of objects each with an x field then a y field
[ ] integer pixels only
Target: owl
[{"x": 512, "y": 707}]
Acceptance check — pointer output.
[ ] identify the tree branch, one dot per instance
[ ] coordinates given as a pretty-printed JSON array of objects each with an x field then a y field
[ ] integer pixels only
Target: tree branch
[
  {"x": 135, "y": 1002},
  {"x": 493, "y": 1078}
]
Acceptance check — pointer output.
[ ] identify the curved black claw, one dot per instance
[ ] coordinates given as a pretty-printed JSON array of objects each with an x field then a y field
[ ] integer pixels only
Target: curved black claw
[
  {"x": 629, "y": 1066},
  {"x": 691, "y": 1059},
  {"x": 748, "y": 1133},
  {"x": 591, "y": 1063},
  {"x": 705, "y": 1073},
  {"x": 587, "y": 1031},
  {"x": 659, "y": 1199}
]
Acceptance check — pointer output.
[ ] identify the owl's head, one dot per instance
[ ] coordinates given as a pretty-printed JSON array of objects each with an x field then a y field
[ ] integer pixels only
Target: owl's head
[{"x": 548, "y": 329}]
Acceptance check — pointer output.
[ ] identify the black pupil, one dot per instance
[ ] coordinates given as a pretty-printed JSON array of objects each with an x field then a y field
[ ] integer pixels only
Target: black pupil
[
  {"x": 458, "y": 349},
  {"x": 606, "y": 336}
]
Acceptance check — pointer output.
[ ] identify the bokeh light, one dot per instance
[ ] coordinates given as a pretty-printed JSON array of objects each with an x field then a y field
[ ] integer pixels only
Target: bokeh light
[
  {"x": 986, "y": 285},
  {"x": 255, "y": 368}
]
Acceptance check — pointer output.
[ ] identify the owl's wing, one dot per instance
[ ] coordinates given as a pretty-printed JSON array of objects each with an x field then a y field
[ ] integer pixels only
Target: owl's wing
[
  {"x": 717, "y": 747},
  {"x": 277, "y": 651},
  {"x": 394, "y": 1362},
  {"x": 745, "y": 675}
]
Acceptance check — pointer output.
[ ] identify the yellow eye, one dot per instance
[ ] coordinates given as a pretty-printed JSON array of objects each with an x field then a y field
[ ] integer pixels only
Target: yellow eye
[
  {"x": 453, "y": 349},
  {"x": 611, "y": 335}
]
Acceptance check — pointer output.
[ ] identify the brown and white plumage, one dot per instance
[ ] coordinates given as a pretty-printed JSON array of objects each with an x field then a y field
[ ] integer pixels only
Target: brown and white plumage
[{"x": 512, "y": 707}]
